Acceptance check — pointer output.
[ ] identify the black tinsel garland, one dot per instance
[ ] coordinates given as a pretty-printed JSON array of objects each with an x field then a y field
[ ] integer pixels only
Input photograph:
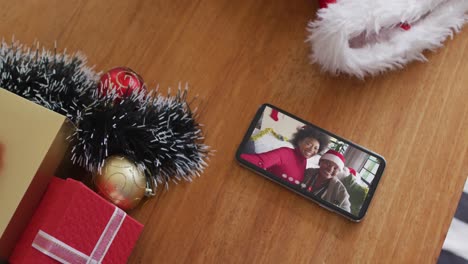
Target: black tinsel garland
[{"x": 158, "y": 132}]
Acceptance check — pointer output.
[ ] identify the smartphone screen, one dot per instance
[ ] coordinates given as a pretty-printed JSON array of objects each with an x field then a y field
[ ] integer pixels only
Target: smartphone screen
[{"x": 323, "y": 167}]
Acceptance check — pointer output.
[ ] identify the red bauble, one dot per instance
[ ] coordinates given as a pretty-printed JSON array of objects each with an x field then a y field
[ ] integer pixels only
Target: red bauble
[{"x": 122, "y": 79}]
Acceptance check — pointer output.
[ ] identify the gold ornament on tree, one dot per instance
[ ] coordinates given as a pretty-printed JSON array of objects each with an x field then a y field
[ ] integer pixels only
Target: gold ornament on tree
[{"x": 121, "y": 182}]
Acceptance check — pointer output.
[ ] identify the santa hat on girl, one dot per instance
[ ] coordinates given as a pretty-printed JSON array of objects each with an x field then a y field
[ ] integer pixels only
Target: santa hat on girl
[
  {"x": 335, "y": 156},
  {"x": 348, "y": 170},
  {"x": 367, "y": 37}
]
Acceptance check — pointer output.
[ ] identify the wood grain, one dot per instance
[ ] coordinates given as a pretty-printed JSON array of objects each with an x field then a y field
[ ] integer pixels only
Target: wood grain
[{"x": 236, "y": 55}]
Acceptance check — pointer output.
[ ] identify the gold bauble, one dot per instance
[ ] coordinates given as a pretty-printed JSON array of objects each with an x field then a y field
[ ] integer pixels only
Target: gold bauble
[{"x": 121, "y": 182}]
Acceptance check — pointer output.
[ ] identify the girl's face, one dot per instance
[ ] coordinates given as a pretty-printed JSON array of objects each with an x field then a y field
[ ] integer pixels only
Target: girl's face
[
  {"x": 309, "y": 147},
  {"x": 328, "y": 169}
]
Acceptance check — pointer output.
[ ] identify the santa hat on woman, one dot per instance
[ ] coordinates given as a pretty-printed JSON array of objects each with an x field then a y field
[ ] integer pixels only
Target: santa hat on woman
[
  {"x": 366, "y": 37},
  {"x": 335, "y": 156}
]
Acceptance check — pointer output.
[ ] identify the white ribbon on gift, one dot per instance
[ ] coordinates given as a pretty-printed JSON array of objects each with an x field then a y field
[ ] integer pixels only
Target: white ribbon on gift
[{"x": 63, "y": 253}]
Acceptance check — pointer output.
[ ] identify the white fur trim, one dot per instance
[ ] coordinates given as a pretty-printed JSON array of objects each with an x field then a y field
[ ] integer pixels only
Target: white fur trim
[
  {"x": 346, "y": 171},
  {"x": 334, "y": 158},
  {"x": 377, "y": 21}
]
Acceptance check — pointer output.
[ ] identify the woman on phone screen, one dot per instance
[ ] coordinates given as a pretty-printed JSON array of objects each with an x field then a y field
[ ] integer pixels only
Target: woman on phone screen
[{"x": 290, "y": 163}]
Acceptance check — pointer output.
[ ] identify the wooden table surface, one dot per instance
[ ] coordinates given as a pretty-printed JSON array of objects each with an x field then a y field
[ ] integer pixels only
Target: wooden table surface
[{"x": 236, "y": 55}]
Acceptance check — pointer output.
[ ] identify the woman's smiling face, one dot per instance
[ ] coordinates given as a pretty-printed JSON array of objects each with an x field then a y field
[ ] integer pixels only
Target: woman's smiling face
[{"x": 309, "y": 147}]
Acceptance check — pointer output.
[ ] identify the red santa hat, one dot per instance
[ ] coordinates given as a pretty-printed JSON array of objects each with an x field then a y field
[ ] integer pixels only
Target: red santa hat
[
  {"x": 368, "y": 37},
  {"x": 335, "y": 156},
  {"x": 352, "y": 171},
  {"x": 324, "y": 3}
]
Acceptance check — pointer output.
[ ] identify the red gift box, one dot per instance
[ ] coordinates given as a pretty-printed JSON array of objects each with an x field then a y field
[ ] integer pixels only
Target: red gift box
[{"x": 75, "y": 225}]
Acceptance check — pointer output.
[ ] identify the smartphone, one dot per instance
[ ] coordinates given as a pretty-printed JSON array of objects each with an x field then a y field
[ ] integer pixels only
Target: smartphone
[{"x": 312, "y": 162}]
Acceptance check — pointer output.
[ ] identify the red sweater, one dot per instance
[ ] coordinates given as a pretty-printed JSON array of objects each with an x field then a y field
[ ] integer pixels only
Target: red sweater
[{"x": 284, "y": 162}]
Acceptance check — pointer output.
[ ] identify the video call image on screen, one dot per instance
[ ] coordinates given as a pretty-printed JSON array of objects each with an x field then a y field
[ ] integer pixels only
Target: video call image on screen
[{"x": 313, "y": 162}]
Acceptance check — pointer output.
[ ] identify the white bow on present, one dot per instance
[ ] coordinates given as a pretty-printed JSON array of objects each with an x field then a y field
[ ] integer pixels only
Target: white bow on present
[{"x": 64, "y": 253}]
